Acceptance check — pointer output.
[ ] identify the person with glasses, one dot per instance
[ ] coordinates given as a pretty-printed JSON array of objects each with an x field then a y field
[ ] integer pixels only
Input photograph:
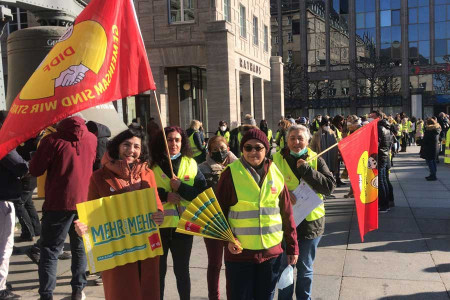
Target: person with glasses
[
  {"x": 294, "y": 165},
  {"x": 253, "y": 196},
  {"x": 175, "y": 193}
]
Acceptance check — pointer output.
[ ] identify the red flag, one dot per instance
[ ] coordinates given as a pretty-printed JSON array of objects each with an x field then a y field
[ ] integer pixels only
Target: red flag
[
  {"x": 359, "y": 152},
  {"x": 101, "y": 58}
]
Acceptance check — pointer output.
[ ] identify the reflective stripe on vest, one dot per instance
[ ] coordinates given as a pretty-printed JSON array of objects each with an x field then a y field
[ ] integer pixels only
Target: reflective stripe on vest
[
  {"x": 195, "y": 151},
  {"x": 186, "y": 173},
  {"x": 292, "y": 181},
  {"x": 255, "y": 219}
]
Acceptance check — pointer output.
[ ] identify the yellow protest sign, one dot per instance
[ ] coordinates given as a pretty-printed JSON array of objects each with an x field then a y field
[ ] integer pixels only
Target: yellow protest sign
[{"x": 121, "y": 229}]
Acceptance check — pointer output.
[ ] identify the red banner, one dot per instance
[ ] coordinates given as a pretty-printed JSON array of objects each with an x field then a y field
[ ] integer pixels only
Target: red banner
[
  {"x": 101, "y": 58},
  {"x": 360, "y": 153}
]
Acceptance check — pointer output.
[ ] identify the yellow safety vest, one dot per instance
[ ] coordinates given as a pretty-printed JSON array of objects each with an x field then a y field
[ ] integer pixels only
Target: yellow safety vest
[
  {"x": 447, "y": 148},
  {"x": 292, "y": 181},
  {"x": 338, "y": 135},
  {"x": 186, "y": 173},
  {"x": 226, "y": 135},
  {"x": 269, "y": 136},
  {"x": 255, "y": 219},
  {"x": 281, "y": 145},
  {"x": 409, "y": 126},
  {"x": 195, "y": 151}
]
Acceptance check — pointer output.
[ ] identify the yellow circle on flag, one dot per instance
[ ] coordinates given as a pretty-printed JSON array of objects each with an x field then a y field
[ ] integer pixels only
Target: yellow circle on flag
[{"x": 368, "y": 180}]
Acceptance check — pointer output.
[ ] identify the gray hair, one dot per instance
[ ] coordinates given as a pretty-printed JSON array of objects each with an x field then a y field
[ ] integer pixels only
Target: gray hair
[{"x": 301, "y": 128}]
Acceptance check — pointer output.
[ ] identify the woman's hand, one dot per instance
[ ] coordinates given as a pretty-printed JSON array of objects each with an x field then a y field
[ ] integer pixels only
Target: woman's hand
[
  {"x": 80, "y": 228},
  {"x": 158, "y": 217},
  {"x": 292, "y": 259},
  {"x": 175, "y": 183},
  {"x": 235, "y": 248},
  {"x": 300, "y": 162},
  {"x": 293, "y": 198},
  {"x": 173, "y": 198}
]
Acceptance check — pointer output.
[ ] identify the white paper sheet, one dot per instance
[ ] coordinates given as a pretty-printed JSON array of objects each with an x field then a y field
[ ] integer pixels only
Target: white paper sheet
[{"x": 307, "y": 201}]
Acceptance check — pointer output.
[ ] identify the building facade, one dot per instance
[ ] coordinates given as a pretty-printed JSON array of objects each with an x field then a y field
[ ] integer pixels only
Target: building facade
[
  {"x": 211, "y": 61},
  {"x": 358, "y": 55}
]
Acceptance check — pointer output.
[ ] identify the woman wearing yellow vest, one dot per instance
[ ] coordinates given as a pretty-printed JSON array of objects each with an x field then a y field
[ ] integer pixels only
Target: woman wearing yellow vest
[
  {"x": 264, "y": 127},
  {"x": 252, "y": 193},
  {"x": 292, "y": 164},
  {"x": 196, "y": 142},
  {"x": 223, "y": 131},
  {"x": 175, "y": 194}
]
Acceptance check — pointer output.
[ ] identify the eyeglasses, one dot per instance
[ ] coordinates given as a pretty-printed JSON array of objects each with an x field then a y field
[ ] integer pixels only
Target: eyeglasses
[{"x": 249, "y": 148}]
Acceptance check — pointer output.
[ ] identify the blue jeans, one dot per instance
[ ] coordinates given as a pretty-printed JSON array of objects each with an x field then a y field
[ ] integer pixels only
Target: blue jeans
[
  {"x": 55, "y": 227},
  {"x": 383, "y": 186},
  {"x": 252, "y": 281},
  {"x": 432, "y": 166},
  {"x": 304, "y": 266}
]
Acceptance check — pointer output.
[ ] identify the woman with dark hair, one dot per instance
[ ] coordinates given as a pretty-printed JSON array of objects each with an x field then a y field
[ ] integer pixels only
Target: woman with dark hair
[
  {"x": 264, "y": 127},
  {"x": 125, "y": 169},
  {"x": 175, "y": 192},
  {"x": 430, "y": 146}
]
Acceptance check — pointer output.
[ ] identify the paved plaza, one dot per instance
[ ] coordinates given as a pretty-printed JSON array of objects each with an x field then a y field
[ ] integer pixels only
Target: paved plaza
[{"x": 408, "y": 257}]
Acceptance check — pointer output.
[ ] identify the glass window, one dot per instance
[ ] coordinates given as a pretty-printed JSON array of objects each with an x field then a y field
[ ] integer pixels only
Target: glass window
[
  {"x": 424, "y": 15},
  {"x": 439, "y": 13},
  {"x": 181, "y": 10},
  {"x": 385, "y": 4},
  {"x": 396, "y": 34},
  {"x": 412, "y": 3},
  {"x": 395, "y": 17},
  {"x": 412, "y": 15},
  {"x": 448, "y": 12},
  {"x": 360, "y": 21},
  {"x": 437, "y": 2},
  {"x": 359, "y": 6},
  {"x": 424, "y": 32},
  {"x": 440, "y": 31},
  {"x": 413, "y": 51},
  {"x": 243, "y": 21},
  {"x": 413, "y": 33},
  {"x": 440, "y": 47},
  {"x": 424, "y": 49},
  {"x": 370, "y": 20},
  {"x": 424, "y": 2},
  {"x": 369, "y": 5},
  {"x": 255, "y": 30},
  {"x": 386, "y": 35},
  {"x": 266, "y": 38},
  {"x": 227, "y": 10},
  {"x": 448, "y": 29},
  {"x": 289, "y": 20},
  {"x": 385, "y": 18},
  {"x": 395, "y": 4}
]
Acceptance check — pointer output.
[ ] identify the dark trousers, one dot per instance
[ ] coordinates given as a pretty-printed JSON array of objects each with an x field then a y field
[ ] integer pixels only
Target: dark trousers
[
  {"x": 214, "y": 249},
  {"x": 391, "y": 188},
  {"x": 252, "y": 281},
  {"x": 180, "y": 245},
  {"x": 55, "y": 227},
  {"x": 383, "y": 187},
  {"x": 432, "y": 166},
  {"x": 27, "y": 215},
  {"x": 405, "y": 140}
]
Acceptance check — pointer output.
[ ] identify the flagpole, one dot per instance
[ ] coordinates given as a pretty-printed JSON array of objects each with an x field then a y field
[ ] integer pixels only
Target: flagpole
[
  {"x": 164, "y": 134},
  {"x": 321, "y": 153}
]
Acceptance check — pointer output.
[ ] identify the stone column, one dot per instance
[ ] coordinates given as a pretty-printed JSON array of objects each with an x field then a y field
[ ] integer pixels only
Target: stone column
[
  {"x": 158, "y": 76},
  {"x": 258, "y": 99},
  {"x": 268, "y": 103},
  {"x": 220, "y": 68},
  {"x": 247, "y": 94},
  {"x": 277, "y": 82}
]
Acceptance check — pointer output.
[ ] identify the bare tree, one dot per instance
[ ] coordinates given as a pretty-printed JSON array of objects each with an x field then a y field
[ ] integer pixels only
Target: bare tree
[
  {"x": 319, "y": 89},
  {"x": 295, "y": 81},
  {"x": 441, "y": 81}
]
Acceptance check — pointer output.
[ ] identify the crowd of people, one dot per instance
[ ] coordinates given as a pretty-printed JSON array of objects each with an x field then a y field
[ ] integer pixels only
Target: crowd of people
[{"x": 252, "y": 170}]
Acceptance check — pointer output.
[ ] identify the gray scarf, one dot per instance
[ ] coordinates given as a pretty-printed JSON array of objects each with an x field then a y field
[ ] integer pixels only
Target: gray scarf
[{"x": 257, "y": 173}]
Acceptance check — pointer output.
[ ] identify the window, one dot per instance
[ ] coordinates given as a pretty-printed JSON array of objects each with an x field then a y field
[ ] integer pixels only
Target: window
[
  {"x": 289, "y": 20},
  {"x": 255, "y": 30},
  {"x": 19, "y": 21},
  {"x": 243, "y": 21},
  {"x": 290, "y": 37},
  {"x": 441, "y": 30},
  {"x": 419, "y": 30},
  {"x": 181, "y": 10},
  {"x": 276, "y": 40},
  {"x": 266, "y": 38},
  {"x": 289, "y": 55},
  {"x": 227, "y": 10}
]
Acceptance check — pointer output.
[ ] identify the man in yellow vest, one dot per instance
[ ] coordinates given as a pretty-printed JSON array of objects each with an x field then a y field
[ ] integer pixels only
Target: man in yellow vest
[
  {"x": 253, "y": 196},
  {"x": 292, "y": 162},
  {"x": 447, "y": 148}
]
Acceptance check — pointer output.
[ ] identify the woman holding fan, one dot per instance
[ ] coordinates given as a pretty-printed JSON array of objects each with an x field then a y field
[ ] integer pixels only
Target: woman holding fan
[
  {"x": 176, "y": 187},
  {"x": 252, "y": 193}
]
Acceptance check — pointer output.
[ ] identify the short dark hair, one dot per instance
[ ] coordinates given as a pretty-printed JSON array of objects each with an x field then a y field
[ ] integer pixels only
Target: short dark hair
[
  {"x": 158, "y": 148},
  {"x": 132, "y": 131}
]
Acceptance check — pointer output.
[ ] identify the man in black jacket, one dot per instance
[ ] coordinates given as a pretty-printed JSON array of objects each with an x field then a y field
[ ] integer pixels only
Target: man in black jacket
[{"x": 384, "y": 146}]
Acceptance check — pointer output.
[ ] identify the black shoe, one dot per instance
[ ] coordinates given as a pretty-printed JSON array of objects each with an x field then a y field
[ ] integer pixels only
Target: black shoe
[
  {"x": 65, "y": 255},
  {"x": 391, "y": 204},
  {"x": 34, "y": 255},
  {"x": 6, "y": 295},
  {"x": 431, "y": 178},
  {"x": 340, "y": 183},
  {"x": 21, "y": 239}
]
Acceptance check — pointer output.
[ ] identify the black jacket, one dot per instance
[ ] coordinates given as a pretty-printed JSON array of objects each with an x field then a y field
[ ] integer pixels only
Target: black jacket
[
  {"x": 385, "y": 139},
  {"x": 430, "y": 142},
  {"x": 103, "y": 134},
  {"x": 12, "y": 168}
]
